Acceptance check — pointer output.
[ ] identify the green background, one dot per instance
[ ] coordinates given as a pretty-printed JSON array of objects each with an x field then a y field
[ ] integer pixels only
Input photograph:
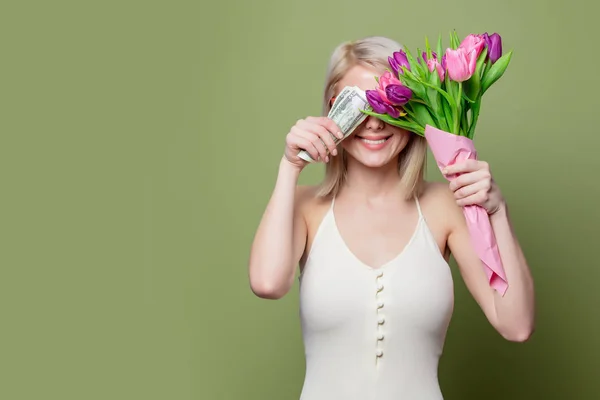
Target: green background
[{"x": 140, "y": 144}]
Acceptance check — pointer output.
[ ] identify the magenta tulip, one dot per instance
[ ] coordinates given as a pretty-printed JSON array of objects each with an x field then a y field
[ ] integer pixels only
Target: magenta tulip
[
  {"x": 494, "y": 46},
  {"x": 380, "y": 106},
  {"x": 384, "y": 81},
  {"x": 398, "y": 95},
  {"x": 397, "y": 61}
]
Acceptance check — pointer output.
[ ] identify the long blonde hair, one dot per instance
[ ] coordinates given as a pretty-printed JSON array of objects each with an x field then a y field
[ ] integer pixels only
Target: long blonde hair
[{"x": 371, "y": 51}]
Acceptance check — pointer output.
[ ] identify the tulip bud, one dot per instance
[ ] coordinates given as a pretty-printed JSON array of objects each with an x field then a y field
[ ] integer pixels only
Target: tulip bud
[{"x": 494, "y": 46}]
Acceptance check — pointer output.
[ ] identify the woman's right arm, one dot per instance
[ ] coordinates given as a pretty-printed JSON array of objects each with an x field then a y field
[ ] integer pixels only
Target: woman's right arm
[{"x": 280, "y": 239}]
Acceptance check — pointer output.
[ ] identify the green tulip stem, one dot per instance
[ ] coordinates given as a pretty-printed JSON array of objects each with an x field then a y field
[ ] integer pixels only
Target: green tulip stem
[
  {"x": 458, "y": 109},
  {"x": 475, "y": 115}
]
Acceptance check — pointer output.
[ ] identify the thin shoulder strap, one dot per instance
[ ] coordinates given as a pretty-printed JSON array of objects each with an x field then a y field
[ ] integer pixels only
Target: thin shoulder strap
[{"x": 418, "y": 206}]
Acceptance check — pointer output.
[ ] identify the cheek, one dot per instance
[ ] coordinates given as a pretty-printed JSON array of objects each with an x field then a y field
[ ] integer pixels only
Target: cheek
[{"x": 402, "y": 139}]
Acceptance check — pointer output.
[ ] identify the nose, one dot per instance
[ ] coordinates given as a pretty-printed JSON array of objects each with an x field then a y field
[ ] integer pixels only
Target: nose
[{"x": 374, "y": 123}]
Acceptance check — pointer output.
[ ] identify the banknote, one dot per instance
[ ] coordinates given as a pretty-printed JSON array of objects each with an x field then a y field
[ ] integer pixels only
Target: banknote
[{"x": 345, "y": 112}]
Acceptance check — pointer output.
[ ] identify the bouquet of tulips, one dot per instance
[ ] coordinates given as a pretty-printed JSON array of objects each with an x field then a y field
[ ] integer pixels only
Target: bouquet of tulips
[{"x": 438, "y": 96}]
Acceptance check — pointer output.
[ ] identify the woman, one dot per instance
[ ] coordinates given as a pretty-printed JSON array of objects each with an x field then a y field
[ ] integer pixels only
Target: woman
[{"x": 373, "y": 243}]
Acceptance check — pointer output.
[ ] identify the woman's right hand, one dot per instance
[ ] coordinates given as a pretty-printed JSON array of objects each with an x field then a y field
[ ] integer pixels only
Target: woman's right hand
[{"x": 315, "y": 135}]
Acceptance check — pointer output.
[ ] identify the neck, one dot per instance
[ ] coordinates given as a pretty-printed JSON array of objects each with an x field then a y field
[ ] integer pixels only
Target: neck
[{"x": 372, "y": 183}]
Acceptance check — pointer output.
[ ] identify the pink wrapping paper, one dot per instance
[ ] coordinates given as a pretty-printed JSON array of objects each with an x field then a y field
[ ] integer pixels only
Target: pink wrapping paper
[{"x": 447, "y": 149}]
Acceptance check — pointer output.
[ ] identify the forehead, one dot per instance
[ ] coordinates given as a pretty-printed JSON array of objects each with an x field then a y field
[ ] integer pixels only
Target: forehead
[{"x": 361, "y": 76}]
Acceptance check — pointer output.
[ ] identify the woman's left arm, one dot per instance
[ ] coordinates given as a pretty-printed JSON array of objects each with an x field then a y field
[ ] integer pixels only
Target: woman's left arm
[{"x": 512, "y": 315}]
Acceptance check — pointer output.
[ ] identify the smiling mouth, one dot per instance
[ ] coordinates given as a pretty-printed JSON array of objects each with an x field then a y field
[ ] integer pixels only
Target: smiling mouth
[{"x": 373, "y": 140}]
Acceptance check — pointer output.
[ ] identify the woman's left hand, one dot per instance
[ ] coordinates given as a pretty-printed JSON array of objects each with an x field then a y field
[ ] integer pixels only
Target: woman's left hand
[{"x": 473, "y": 184}]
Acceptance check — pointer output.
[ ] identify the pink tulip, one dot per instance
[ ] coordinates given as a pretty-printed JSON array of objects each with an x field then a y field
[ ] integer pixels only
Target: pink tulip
[
  {"x": 384, "y": 81},
  {"x": 459, "y": 64},
  {"x": 434, "y": 64},
  {"x": 473, "y": 44}
]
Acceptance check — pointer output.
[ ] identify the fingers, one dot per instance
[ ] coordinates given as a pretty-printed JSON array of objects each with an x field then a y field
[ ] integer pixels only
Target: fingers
[
  {"x": 300, "y": 139},
  {"x": 322, "y": 132},
  {"x": 470, "y": 179},
  {"x": 479, "y": 198},
  {"x": 469, "y": 190},
  {"x": 297, "y": 142},
  {"x": 468, "y": 165},
  {"x": 316, "y": 136},
  {"x": 315, "y": 142},
  {"x": 328, "y": 124}
]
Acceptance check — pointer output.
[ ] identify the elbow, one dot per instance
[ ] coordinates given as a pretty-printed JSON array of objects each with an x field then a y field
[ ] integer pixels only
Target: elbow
[
  {"x": 519, "y": 334},
  {"x": 266, "y": 289}
]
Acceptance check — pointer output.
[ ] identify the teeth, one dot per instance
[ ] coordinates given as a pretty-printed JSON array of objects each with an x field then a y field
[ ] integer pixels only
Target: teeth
[{"x": 372, "y": 141}]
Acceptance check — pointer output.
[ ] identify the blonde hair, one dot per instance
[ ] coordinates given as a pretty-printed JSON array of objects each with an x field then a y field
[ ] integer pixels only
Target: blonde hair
[{"x": 371, "y": 51}]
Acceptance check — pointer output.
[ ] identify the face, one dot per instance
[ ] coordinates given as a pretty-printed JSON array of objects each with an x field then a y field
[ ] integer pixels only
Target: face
[{"x": 374, "y": 143}]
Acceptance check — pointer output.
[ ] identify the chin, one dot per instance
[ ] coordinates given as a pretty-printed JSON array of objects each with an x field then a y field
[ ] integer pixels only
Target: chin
[{"x": 374, "y": 150}]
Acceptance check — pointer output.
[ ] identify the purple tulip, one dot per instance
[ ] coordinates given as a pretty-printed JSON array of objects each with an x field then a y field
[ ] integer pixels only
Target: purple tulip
[
  {"x": 398, "y": 61},
  {"x": 379, "y": 106},
  {"x": 494, "y": 46},
  {"x": 399, "y": 95}
]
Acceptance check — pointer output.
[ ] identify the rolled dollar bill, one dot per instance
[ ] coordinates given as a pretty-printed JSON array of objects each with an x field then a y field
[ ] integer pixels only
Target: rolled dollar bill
[{"x": 346, "y": 113}]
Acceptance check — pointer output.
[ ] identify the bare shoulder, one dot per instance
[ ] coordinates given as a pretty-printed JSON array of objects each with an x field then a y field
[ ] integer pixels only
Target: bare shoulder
[
  {"x": 438, "y": 197},
  {"x": 440, "y": 210},
  {"x": 308, "y": 203},
  {"x": 312, "y": 208}
]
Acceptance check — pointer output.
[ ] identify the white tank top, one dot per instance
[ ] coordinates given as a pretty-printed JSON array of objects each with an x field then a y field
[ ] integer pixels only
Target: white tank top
[{"x": 374, "y": 334}]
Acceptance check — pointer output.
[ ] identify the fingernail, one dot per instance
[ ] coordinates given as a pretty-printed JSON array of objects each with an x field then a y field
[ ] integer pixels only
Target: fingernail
[
  {"x": 340, "y": 135},
  {"x": 334, "y": 152},
  {"x": 326, "y": 159}
]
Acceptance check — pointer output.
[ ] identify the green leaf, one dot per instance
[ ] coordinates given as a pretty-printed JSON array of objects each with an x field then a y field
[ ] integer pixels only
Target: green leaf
[
  {"x": 473, "y": 85},
  {"x": 414, "y": 84},
  {"x": 495, "y": 72},
  {"x": 474, "y": 117},
  {"x": 411, "y": 126},
  {"x": 443, "y": 93},
  {"x": 453, "y": 44},
  {"x": 413, "y": 63},
  {"x": 439, "y": 48},
  {"x": 466, "y": 97},
  {"x": 456, "y": 40},
  {"x": 464, "y": 124},
  {"x": 433, "y": 95},
  {"x": 422, "y": 115},
  {"x": 422, "y": 70},
  {"x": 479, "y": 68},
  {"x": 408, "y": 109},
  {"x": 451, "y": 87},
  {"x": 429, "y": 54},
  {"x": 447, "y": 113}
]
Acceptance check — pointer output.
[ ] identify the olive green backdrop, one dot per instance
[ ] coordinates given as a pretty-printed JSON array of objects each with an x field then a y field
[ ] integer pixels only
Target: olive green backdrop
[{"x": 140, "y": 143}]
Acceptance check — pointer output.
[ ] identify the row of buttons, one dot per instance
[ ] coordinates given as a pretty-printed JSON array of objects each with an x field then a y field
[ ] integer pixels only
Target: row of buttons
[{"x": 380, "y": 316}]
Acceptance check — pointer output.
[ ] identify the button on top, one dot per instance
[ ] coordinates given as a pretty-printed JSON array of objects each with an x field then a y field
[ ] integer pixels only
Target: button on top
[{"x": 379, "y": 274}]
